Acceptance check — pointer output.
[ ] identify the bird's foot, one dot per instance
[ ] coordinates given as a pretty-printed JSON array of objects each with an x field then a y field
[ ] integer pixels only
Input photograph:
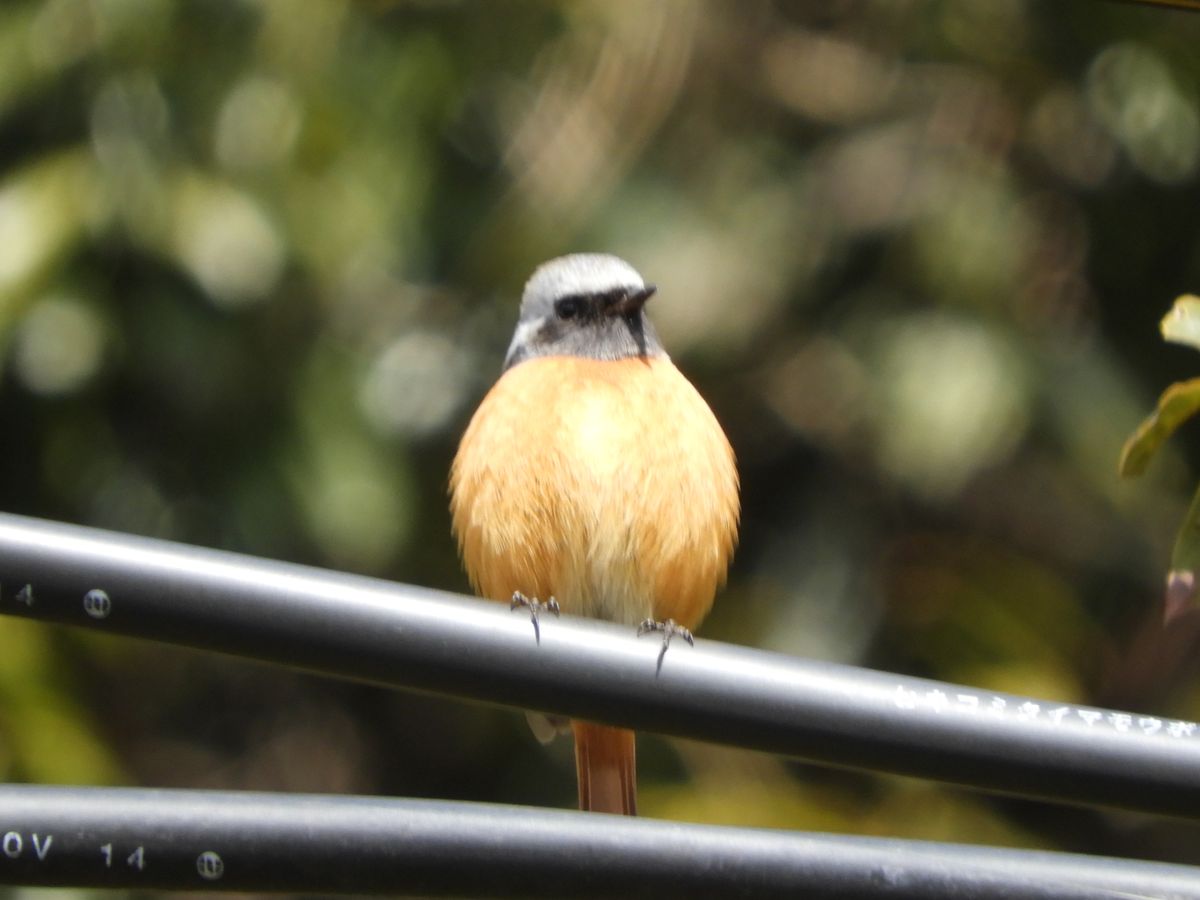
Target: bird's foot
[
  {"x": 669, "y": 629},
  {"x": 535, "y": 607}
]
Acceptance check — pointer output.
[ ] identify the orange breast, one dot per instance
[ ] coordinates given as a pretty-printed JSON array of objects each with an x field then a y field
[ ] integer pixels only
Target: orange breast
[{"x": 608, "y": 485}]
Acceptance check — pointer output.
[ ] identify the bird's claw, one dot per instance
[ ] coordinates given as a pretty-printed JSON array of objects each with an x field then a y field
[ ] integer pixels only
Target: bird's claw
[
  {"x": 535, "y": 607},
  {"x": 669, "y": 629}
]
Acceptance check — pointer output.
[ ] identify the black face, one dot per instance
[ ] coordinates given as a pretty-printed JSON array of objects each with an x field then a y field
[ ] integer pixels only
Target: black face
[
  {"x": 606, "y": 325},
  {"x": 575, "y": 306},
  {"x": 624, "y": 302}
]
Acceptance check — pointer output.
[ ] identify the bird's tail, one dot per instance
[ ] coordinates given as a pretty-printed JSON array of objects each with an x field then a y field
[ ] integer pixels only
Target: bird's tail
[{"x": 605, "y": 762}]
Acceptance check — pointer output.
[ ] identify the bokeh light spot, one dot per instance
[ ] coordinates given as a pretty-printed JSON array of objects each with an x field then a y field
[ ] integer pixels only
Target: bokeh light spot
[
  {"x": 227, "y": 242},
  {"x": 953, "y": 402},
  {"x": 1134, "y": 95},
  {"x": 59, "y": 346},
  {"x": 415, "y": 385},
  {"x": 257, "y": 125}
]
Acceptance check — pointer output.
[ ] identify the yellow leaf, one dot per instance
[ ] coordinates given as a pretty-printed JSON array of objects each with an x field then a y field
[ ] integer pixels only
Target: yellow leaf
[
  {"x": 1177, "y": 404},
  {"x": 1182, "y": 324}
]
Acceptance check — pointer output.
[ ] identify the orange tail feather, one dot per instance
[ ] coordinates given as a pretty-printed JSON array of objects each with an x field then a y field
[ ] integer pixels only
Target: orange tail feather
[{"x": 605, "y": 762}]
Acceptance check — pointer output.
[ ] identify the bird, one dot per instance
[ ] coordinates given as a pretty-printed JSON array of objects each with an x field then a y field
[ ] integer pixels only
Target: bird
[{"x": 594, "y": 478}]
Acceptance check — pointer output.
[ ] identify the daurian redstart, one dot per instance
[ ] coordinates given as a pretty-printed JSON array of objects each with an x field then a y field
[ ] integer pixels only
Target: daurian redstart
[{"x": 594, "y": 473}]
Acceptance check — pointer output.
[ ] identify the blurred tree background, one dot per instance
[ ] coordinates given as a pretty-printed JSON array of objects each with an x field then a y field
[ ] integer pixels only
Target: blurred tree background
[{"x": 259, "y": 260}]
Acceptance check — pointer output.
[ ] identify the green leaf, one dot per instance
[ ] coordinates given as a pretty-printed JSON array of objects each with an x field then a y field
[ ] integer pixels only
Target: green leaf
[
  {"x": 1185, "y": 555},
  {"x": 1177, "y": 404},
  {"x": 1182, "y": 324}
]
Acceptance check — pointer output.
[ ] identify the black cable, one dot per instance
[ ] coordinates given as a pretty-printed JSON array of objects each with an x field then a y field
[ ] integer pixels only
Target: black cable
[
  {"x": 242, "y": 841},
  {"x": 392, "y": 634}
]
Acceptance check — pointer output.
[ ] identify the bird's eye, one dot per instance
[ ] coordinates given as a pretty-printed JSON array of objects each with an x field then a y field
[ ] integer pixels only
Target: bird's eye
[{"x": 568, "y": 307}]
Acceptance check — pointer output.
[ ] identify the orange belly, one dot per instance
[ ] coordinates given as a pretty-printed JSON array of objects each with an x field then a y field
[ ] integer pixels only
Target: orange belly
[{"x": 606, "y": 484}]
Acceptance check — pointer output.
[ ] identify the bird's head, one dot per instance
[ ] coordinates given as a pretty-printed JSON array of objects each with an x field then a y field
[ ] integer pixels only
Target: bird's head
[{"x": 585, "y": 304}]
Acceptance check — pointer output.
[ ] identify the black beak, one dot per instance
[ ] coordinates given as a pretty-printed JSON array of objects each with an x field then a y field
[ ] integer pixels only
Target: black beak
[{"x": 632, "y": 303}]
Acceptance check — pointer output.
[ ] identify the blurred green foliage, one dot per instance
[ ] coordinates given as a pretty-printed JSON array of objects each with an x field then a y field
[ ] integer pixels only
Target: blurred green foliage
[
  {"x": 259, "y": 260},
  {"x": 1178, "y": 403}
]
